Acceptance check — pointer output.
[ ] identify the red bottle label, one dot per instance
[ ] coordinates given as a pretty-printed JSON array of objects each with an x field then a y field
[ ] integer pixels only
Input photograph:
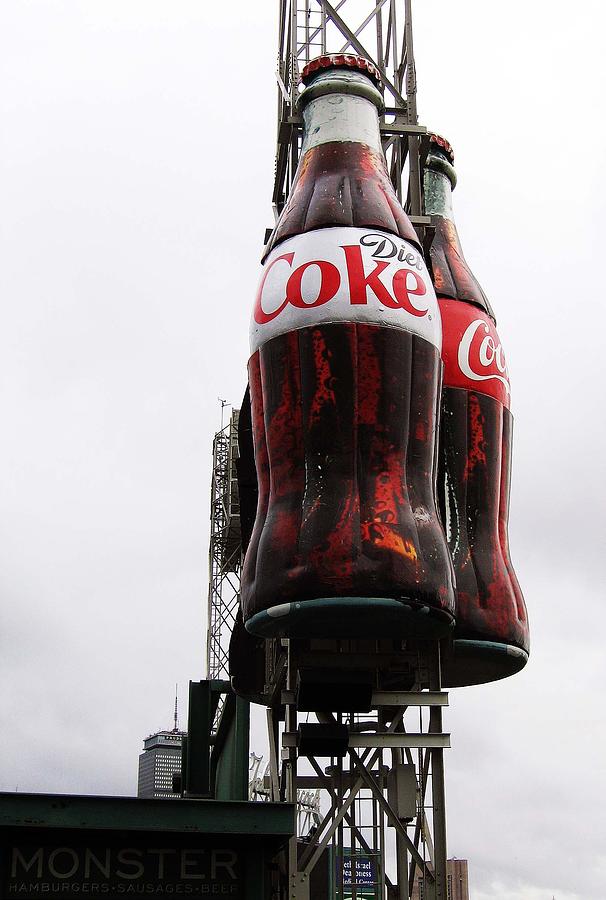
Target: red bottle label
[{"x": 472, "y": 352}]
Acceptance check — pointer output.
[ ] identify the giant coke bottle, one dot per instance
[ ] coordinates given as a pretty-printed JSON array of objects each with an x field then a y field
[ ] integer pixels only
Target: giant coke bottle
[
  {"x": 345, "y": 377},
  {"x": 490, "y": 640}
]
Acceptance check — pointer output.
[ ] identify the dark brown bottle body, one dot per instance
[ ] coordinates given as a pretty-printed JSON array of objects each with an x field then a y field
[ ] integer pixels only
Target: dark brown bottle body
[
  {"x": 345, "y": 379},
  {"x": 491, "y": 638}
]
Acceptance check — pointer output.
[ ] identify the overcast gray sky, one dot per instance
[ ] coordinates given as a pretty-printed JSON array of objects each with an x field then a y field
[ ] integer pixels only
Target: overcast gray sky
[{"x": 136, "y": 166}]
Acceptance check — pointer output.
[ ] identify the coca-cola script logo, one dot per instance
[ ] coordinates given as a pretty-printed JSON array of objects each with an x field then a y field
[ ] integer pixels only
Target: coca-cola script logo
[
  {"x": 472, "y": 351},
  {"x": 344, "y": 274},
  {"x": 479, "y": 355}
]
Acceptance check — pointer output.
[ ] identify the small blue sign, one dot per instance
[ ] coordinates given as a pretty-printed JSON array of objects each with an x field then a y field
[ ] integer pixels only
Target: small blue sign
[{"x": 360, "y": 873}]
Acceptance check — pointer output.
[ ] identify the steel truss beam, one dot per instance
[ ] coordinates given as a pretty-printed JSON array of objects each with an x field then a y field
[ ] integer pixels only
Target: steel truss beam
[
  {"x": 225, "y": 551},
  {"x": 363, "y": 813},
  {"x": 310, "y": 28}
]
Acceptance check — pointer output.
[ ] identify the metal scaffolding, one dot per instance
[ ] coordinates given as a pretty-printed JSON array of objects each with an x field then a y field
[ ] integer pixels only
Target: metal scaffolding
[
  {"x": 382, "y": 832},
  {"x": 380, "y": 31},
  {"x": 225, "y": 549}
]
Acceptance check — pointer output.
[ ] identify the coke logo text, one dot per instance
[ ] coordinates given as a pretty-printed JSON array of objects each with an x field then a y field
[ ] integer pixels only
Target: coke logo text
[
  {"x": 480, "y": 357},
  {"x": 315, "y": 282}
]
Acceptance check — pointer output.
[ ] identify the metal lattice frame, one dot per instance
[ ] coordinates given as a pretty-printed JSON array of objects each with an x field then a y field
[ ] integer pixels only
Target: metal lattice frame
[
  {"x": 225, "y": 550},
  {"x": 361, "y": 809},
  {"x": 309, "y": 28}
]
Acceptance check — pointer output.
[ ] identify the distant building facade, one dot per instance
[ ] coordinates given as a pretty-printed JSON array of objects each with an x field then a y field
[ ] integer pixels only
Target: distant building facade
[
  {"x": 160, "y": 759},
  {"x": 457, "y": 881}
]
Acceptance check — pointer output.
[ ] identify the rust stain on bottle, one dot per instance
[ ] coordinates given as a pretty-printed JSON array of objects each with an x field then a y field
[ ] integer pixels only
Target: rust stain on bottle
[
  {"x": 476, "y": 454},
  {"x": 324, "y": 392}
]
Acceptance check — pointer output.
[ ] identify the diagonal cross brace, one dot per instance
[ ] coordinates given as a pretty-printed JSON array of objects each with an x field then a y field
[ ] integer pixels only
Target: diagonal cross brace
[
  {"x": 368, "y": 18},
  {"x": 389, "y": 811},
  {"x": 360, "y": 837},
  {"x": 358, "y": 46}
]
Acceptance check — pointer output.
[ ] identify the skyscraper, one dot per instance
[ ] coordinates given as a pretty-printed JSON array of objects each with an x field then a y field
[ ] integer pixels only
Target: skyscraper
[{"x": 160, "y": 759}]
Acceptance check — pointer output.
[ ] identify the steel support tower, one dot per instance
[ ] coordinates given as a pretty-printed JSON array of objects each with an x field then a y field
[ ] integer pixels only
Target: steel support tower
[
  {"x": 225, "y": 548},
  {"x": 371, "y": 796},
  {"x": 382, "y": 827},
  {"x": 379, "y": 30}
]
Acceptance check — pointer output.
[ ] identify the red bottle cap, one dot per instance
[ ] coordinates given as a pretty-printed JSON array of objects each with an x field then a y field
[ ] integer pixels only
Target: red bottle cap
[
  {"x": 443, "y": 144},
  {"x": 340, "y": 61}
]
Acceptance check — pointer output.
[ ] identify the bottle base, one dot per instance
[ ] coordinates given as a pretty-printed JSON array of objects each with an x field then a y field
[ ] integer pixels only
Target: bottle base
[
  {"x": 468, "y": 662},
  {"x": 348, "y": 617}
]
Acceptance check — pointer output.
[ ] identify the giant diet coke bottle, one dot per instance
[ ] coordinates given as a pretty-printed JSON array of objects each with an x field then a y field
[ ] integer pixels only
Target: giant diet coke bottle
[
  {"x": 345, "y": 377},
  {"x": 490, "y": 640}
]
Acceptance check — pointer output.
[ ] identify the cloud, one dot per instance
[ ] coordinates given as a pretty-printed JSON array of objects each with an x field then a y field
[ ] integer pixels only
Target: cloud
[{"x": 501, "y": 891}]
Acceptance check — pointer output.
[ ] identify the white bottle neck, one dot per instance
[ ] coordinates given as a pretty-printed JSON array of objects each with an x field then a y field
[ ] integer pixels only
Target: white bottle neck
[
  {"x": 439, "y": 179},
  {"x": 340, "y": 117},
  {"x": 438, "y": 195},
  {"x": 341, "y": 105}
]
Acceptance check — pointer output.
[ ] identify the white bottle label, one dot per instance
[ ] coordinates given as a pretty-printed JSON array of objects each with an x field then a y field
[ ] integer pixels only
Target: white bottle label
[{"x": 345, "y": 275}]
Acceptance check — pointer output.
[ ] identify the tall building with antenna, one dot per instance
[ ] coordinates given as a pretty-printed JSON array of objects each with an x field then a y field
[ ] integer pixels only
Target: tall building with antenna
[{"x": 160, "y": 760}]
